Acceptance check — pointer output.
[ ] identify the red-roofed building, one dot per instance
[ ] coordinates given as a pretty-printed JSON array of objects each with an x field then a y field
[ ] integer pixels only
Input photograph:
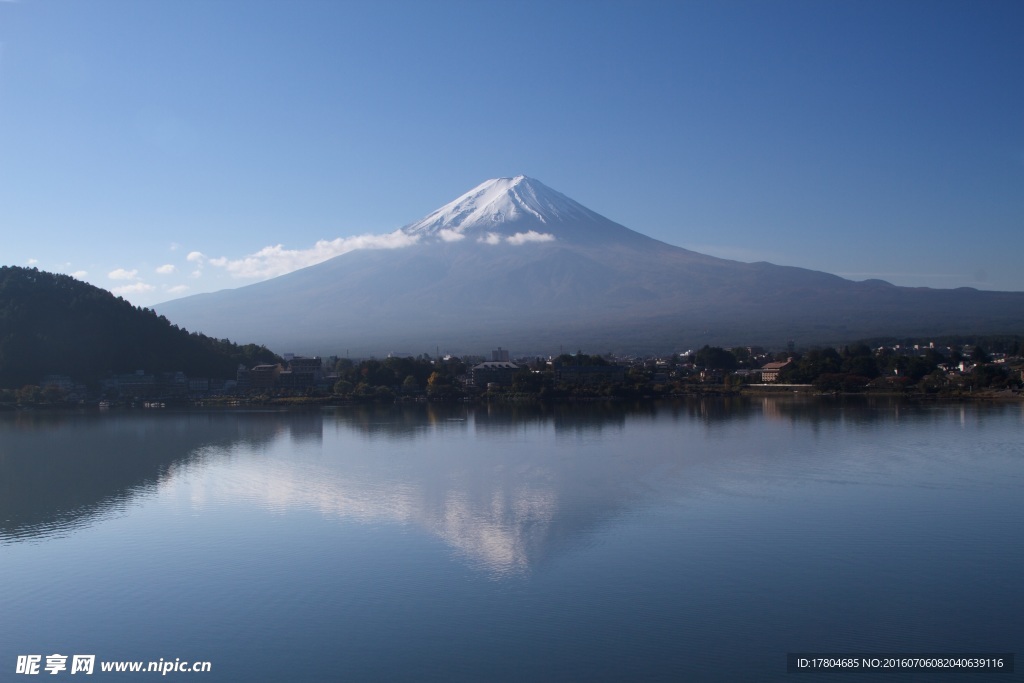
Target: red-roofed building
[{"x": 770, "y": 371}]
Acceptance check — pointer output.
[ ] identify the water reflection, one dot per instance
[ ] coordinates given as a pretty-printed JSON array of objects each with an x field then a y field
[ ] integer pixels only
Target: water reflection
[
  {"x": 506, "y": 486},
  {"x": 60, "y": 469},
  {"x": 406, "y": 421}
]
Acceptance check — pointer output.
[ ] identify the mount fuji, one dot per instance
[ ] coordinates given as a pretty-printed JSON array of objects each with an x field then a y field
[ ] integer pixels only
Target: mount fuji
[{"x": 515, "y": 263}]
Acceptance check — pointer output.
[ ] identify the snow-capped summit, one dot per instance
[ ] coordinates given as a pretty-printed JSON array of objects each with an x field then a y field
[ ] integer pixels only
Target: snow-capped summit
[{"x": 509, "y": 207}]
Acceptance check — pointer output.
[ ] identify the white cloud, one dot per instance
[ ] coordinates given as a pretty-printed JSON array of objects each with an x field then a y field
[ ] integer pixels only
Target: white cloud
[
  {"x": 197, "y": 273},
  {"x": 530, "y": 236},
  {"x": 166, "y": 269},
  {"x": 122, "y": 274},
  {"x": 450, "y": 235},
  {"x": 175, "y": 246},
  {"x": 177, "y": 289},
  {"x": 518, "y": 238},
  {"x": 137, "y": 288},
  {"x": 195, "y": 257},
  {"x": 33, "y": 261},
  {"x": 276, "y": 260},
  {"x": 80, "y": 274}
]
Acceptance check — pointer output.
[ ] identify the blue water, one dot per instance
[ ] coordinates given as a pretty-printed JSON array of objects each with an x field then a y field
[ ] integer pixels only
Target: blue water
[{"x": 700, "y": 540}]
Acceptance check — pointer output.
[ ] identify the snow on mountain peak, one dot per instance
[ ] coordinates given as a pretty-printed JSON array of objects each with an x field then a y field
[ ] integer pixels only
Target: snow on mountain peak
[{"x": 503, "y": 206}]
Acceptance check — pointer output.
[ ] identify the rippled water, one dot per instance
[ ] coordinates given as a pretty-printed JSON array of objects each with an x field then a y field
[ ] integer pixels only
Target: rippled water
[{"x": 693, "y": 541}]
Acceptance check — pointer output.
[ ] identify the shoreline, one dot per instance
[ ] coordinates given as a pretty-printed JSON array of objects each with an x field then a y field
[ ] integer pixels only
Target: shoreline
[{"x": 760, "y": 391}]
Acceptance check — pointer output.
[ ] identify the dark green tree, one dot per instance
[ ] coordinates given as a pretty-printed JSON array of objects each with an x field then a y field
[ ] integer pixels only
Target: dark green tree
[
  {"x": 716, "y": 358},
  {"x": 812, "y": 364}
]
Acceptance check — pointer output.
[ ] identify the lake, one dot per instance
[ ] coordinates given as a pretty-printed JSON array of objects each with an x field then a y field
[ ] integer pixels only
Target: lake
[{"x": 699, "y": 540}]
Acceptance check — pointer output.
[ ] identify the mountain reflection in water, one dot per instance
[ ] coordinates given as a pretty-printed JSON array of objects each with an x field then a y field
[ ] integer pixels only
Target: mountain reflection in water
[{"x": 489, "y": 480}]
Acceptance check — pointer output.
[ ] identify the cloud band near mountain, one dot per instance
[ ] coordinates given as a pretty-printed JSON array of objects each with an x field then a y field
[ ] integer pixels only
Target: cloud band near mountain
[{"x": 273, "y": 261}]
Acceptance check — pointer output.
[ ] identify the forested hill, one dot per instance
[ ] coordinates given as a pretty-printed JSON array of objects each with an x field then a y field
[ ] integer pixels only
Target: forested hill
[{"x": 54, "y": 324}]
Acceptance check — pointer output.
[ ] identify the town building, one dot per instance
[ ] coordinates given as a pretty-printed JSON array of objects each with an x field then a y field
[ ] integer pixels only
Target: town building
[
  {"x": 264, "y": 376},
  {"x": 770, "y": 371},
  {"x": 499, "y": 373}
]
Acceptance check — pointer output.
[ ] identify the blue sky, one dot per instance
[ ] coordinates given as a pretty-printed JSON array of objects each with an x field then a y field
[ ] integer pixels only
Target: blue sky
[{"x": 163, "y": 148}]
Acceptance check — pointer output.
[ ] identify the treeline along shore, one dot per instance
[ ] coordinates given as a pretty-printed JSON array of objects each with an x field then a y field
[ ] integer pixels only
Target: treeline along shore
[{"x": 988, "y": 368}]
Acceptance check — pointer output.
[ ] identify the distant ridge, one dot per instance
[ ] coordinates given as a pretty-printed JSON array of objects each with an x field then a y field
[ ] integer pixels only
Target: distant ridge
[{"x": 516, "y": 263}]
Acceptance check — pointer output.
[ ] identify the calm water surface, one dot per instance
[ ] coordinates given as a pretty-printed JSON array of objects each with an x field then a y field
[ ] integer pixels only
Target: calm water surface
[{"x": 691, "y": 541}]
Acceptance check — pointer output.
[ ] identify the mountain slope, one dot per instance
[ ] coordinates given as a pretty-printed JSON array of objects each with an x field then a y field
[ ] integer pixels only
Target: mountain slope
[
  {"x": 54, "y": 324},
  {"x": 515, "y": 263}
]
